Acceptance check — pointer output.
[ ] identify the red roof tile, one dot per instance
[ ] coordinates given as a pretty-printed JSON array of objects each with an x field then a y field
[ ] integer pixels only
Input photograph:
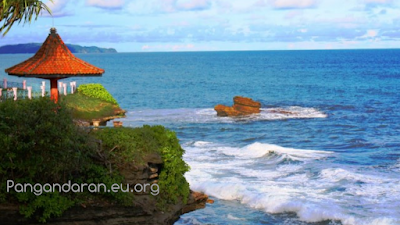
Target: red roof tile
[{"x": 52, "y": 60}]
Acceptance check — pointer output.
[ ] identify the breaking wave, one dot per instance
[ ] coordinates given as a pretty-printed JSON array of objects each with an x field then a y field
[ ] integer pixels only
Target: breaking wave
[{"x": 277, "y": 179}]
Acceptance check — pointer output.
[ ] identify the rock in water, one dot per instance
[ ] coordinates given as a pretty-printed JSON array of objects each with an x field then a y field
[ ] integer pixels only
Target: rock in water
[
  {"x": 226, "y": 111},
  {"x": 242, "y": 106}
]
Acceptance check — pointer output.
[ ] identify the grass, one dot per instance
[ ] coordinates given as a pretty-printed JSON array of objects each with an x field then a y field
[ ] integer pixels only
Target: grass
[{"x": 89, "y": 108}]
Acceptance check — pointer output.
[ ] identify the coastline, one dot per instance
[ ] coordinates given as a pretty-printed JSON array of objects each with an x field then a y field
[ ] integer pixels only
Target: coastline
[
  {"x": 143, "y": 212},
  {"x": 133, "y": 166},
  {"x": 348, "y": 111}
]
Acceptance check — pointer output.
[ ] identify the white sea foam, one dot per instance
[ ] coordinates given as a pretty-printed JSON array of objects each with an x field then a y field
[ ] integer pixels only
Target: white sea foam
[
  {"x": 339, "y": 174},
  {"x": 231, "y": 217},
  {"x": 307, "y": 184},
  {"x": 209, "y": 115},
  {"x": 291, "y": 112},
  {"x": 275, "y": 153}
]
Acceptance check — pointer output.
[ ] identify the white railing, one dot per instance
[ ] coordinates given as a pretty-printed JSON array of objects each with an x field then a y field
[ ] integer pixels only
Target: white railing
[{"x": 15, "y": 90}]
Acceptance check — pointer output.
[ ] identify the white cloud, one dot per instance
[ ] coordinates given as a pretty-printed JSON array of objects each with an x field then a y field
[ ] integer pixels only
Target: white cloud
[
  {"x": 58, "y": 8},
  {"x": 293, "y": 4},
  {"x": 56, "y": 5},
  {"x": 379, "y": 1},
  {"x": 141, "y": 7},
  {"x": 370, "y": 34},
  {"x": 169, "y": 47},
  {"x": 193, "y": 4},
  {"x": 369, "y": 5},
  {"x": 107, "y": 4}
]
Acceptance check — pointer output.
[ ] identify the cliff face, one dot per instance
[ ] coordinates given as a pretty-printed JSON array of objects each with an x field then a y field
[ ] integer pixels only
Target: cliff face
[
  {"x": 34, "y": 47},
  {"x": 144, "y": 210},
  {"x": 99, "y": 214},
  {"x": 150, "y": 156}
]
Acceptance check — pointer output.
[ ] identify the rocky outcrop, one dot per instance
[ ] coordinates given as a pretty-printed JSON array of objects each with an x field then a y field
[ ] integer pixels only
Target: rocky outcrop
[
  {"x": 146, "y": 173},
  {"x": 117, "y": 113},
  {"x": 196, "y": 201},
  {"x": 242, "y": 106},
  {"x": 144, "y": 210}
]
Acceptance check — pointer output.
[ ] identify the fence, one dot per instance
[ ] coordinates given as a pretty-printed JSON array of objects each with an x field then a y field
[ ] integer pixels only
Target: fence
[{"x": 17, "y": 91}]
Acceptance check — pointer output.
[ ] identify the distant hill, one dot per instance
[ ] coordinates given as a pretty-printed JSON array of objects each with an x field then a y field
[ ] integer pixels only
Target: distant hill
[{"x": 34, "y": 47}]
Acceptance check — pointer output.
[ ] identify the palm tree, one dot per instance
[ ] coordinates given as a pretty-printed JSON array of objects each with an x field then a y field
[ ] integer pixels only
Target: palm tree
[{"x": 12, "y": 11}]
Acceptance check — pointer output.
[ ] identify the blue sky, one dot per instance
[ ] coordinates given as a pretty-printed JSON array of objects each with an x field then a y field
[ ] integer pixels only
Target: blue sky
[{"x": 213, "y": 25}]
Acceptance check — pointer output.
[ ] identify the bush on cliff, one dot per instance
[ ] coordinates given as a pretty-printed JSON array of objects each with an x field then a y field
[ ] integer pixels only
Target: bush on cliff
[
  {"x": 129, "y": 145},
  {"x": 40, "y": 144},
  {"x": 96, "y": 91},
  {"x": 88, "y": 108}
]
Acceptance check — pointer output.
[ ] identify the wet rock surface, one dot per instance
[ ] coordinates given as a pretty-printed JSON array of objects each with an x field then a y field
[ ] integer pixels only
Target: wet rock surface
[
  {"x": 242, "y": 106},
  {"x": 144, "y": 210}
]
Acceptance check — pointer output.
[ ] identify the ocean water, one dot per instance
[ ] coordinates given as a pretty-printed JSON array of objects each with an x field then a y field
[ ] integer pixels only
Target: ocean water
[{"x": 335, "y": 160}]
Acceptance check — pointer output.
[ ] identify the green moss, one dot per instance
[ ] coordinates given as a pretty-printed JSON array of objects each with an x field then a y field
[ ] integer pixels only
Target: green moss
[{"x": 96, "y": 91}]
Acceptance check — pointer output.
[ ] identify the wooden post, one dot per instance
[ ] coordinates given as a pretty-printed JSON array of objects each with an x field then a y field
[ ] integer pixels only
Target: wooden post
[
  {"x": 24, "y": 84},
  {"x": 1, "y": 92},
  {"x": 54, "y": 90},
  {"x": 5, "y": 83}
]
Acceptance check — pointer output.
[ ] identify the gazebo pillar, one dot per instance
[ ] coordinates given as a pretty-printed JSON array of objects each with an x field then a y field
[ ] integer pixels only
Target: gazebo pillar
[{"x": 54, "y": 90}]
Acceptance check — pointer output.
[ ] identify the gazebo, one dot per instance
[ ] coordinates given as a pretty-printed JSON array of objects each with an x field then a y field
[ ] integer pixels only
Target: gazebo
[{"x": 54, "y": 61}]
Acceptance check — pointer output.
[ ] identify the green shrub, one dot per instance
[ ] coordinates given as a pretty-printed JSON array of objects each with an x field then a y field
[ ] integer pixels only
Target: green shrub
[
  {"x": 96, "y": 91},
  {"x": 131, "y": 144},
  {"x": 40, "y": 144}
]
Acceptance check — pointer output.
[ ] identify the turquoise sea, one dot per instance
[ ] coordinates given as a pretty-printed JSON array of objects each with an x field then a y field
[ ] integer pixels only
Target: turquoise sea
[{"x": 335, "y": 160}]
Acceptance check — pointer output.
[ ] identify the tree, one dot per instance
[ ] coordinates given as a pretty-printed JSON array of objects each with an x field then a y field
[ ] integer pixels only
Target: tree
[{"x": 12, "y": 11}]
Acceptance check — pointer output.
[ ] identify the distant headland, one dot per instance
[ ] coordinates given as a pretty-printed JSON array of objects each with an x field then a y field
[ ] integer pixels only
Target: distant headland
[{"x": 34, "y": 47}]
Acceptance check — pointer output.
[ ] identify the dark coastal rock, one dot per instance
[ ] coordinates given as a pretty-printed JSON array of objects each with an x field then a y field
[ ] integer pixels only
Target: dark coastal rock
[
  {"x": 144, "y": 210},
  {"x": 117, "y": 113},
  {"x": 242, "y": 106},
  {"x": 196, "y": 201}
]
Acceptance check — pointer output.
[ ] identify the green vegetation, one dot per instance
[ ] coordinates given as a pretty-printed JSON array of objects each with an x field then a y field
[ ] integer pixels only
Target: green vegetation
[
  {"x": 89, "y": 108},
  {"x": 92, "y": 101},
  {"x": 96, "y": 91},
  {"x": 12, "y": 11},
  {"x": 40, "y": 144},
  {"x": 131, "y": 144}
]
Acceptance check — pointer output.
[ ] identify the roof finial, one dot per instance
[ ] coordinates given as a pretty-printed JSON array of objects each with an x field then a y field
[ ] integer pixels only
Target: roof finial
[{"x": 53, "y": 30}]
